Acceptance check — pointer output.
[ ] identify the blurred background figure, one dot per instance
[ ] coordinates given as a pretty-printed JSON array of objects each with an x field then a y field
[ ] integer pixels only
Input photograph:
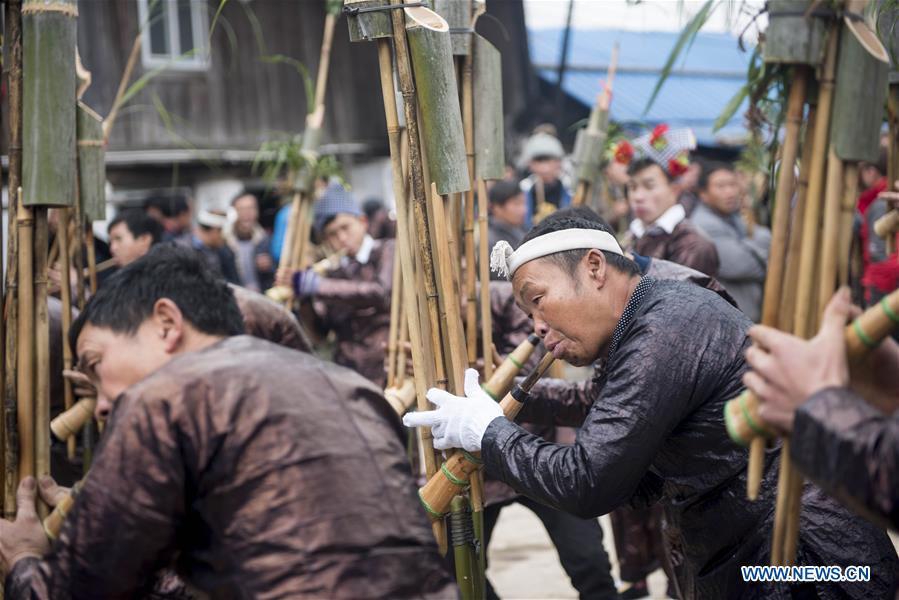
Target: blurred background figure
[
  {"x": 131, "y": 235},
  {"x": 508, "y": 211},
  {"x": 250, "y": 245},
  {"x": 380, "y": 223},
  {"x": 209, "y": 240},
  {"x": 174, "y": 215},
  {"x": 544, "y": 189}
]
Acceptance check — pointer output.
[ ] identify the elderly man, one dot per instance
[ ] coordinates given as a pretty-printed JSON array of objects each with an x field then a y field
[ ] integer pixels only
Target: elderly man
[
  {"x": 257, "y": 471},
  {"x": 674, "y": 355},
  {"x": 250, "y": 244}
]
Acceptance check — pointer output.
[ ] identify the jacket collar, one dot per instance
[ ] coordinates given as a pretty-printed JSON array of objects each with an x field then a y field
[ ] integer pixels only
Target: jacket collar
[{"x": 670, "y": 219}]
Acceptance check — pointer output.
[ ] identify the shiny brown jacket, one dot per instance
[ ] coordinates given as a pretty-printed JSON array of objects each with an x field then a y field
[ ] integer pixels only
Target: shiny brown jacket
[
  {"x": 270, "y": 321},
  {"x": 259, "y": 472},
  {"x": 685, "y": 246},
  {"x": 353, "y": 300}
]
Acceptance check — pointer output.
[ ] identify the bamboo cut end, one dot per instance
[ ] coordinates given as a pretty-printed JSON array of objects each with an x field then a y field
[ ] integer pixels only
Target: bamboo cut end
[
  {"x": 867, "y": 38},
  {"x": 419, "y": 16}
]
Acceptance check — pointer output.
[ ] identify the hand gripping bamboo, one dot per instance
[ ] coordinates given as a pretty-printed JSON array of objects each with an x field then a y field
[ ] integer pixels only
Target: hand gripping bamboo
[
  {"x": 54, "y": 521},
  {"x": 862, "y": 335},
  {"x": 455, "y": 473}
]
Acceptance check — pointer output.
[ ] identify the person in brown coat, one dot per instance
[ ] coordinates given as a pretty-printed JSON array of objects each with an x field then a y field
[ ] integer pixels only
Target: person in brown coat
[
  {"x": 661, "y": 228},
  {"x": 352, "y": 299},
  {"x": 255, "y": 470}
]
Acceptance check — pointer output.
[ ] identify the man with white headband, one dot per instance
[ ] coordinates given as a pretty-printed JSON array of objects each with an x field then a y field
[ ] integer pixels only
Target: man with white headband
[{"x": 674, "y": 355}]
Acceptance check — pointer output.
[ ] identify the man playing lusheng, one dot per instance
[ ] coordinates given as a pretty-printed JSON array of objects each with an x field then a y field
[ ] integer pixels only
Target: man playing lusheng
[
  {"x": 674, "y": 356},
  {"x": 256, "y": 470}
]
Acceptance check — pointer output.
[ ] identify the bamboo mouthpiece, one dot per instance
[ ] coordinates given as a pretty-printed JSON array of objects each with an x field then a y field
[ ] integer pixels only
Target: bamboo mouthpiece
[
  {"x": 70, "y": 422},
  {"x": 402, "y": 398},
  {"x": 455, "y": 474},
  {"x": 500, "y": 382},
  {"x": 54, "y": 521},
  {"x": 862, "y": 335}
]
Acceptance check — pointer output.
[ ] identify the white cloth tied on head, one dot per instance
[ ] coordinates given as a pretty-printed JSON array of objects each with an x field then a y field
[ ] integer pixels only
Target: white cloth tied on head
[{"x": 505, "y": 261}]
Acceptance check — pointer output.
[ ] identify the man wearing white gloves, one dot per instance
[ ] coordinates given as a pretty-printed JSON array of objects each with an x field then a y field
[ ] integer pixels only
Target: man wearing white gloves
[{"x": 673, "y": 355}]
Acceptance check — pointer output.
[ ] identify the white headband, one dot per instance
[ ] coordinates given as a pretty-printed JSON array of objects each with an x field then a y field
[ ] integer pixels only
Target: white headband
[{"x": 505, "y": 261}]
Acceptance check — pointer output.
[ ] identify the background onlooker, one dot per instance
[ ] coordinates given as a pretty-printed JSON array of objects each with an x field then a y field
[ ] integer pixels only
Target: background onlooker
[{"x": 250, "y": 244}]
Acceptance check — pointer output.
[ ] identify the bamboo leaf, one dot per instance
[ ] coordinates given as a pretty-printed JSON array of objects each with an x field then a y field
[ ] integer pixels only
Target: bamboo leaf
[
  {"x": 300, "y": 68},
  {"x": 730, "y": 108},
  {"x": 686, "y": 39}
]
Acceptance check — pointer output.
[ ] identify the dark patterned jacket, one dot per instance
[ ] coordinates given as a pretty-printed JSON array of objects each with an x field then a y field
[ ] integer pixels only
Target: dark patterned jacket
[{"x": 260, "y": 472}]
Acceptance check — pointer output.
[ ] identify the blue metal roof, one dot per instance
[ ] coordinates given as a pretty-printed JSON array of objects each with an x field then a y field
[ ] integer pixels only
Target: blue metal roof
[{"x": 701, "y": 85}]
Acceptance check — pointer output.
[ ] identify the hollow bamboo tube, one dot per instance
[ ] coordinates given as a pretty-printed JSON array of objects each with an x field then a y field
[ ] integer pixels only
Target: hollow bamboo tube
[
  {"x": 13, "y": 64},
  {"x": 91, "y": 259},
  {"x": 776, "y": 266},
  {"x": 471, "y": 308},
  {"x": 66, "y": 425},
  {"x": 499, "y": 384},
  {"x": 782, "y": 504},
  {"x": 462, "y": 549},
  {"x": 79, "y": 254},
  {"x": 455, "y": 474},
  {"x": 54, "y": 522},
  {"x": 401, "y": 398},
  {"x": 400, "y": 376},
  {"x": 422, "y": 365},
  {"x": 887, "y": 225},
  {"x": 65, "y": 292},
  {"x": 484, "y": 266},
  {"x": 25, "y": 392},
  {"x": 830, "y": 249},
  {"x": 791, "y": 275},
  {"x": 814, "y": 199},
  {"x": 396, "y": 315},
  {"x": 41, "y": 335},
  {"x": 850, "y": 194}
]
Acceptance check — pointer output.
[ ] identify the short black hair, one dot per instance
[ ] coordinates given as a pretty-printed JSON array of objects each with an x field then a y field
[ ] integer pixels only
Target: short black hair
[
  {"x": 580, "y": 212},
  {"x": 570, "y": 259},
  {"x": 169, "y": 206},
  {"x": 127, "y": 298},
  {"x": 138, "y": 223},
  {"x": 712, "y": 167},
  {"x": 644, "y": 163},
  {"x": 503, "y": 191}
]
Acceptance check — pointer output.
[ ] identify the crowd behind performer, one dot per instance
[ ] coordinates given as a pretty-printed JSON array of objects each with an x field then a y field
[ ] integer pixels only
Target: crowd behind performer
[
  {"x": 250, "y": 245},
  {"x": 353, "y": 298},
  {"x": 742, "y": 253},
  {"x": 508, "y": 210},
  {"x": 673, "y": 355},
  {"x": 660, "y": 228},
  {"x": 544, "y": 188},
  {"x": 252, "y": 469},
  {"x": 175, "y": 216},
  {"x": 209, "y": 241},
  {"x": 131, "y": 235},
  {"x": 843, "y": 427}
]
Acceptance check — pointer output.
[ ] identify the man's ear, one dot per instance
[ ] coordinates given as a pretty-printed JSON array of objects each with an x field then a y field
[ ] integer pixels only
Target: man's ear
[
  {"x": 169, "y": 323},
  {"x": 596, "y": 264}
]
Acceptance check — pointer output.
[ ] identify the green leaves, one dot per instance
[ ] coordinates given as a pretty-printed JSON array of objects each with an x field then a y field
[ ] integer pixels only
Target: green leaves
[{"x": 686, "y": 39}]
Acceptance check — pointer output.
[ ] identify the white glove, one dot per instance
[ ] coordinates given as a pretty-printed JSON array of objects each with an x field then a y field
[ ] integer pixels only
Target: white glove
[{"x": 458, "y": 422}]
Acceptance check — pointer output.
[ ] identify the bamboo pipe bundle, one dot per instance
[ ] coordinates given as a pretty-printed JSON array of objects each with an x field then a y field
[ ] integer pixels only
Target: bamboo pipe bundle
[
  {"x": 457, "y": 471},
  {"x": 11, "y": 452},
  {"x": 780, "y": 234}
]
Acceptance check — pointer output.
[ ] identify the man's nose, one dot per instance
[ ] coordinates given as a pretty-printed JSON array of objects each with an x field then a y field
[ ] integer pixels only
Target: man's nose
[
  {"x": 103, "y": 408},
  {"x": 540, "y": 327}
]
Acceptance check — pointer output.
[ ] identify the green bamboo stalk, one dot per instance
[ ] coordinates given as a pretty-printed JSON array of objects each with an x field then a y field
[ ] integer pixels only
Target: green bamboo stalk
[{"x": 91, "y": 164}]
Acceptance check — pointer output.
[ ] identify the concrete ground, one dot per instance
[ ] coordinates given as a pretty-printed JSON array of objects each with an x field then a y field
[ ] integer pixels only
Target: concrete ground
[{"x": 524, "y": 564}]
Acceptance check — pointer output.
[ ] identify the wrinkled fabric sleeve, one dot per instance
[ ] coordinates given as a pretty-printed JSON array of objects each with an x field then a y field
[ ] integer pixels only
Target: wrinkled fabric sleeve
[
  {"x": 561, "y": 403},
  {"x": 362, "y": 293},
  {"x": 851, "y": 450},
  {"x": 122, "y": 526},
  {"x": 697, "y": 253},
  {"x": 641, "y": 405}
]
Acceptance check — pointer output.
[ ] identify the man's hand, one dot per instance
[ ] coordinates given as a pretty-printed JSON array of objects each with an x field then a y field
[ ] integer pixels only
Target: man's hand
[
  {"x": 264, "y": 262},
  {"x": 51, "y": 492},
  {"x": 458, "y": 422},
  {"x": 284, "y": 277},
  {"x": 81, "y": 384},
  {"x": 787, "y": 370},
  {"x": 25, "y": 536}
]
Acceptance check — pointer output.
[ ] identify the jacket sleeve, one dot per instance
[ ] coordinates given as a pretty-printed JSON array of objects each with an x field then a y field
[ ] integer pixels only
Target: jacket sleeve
[
  {"x": 362, "y": 293},
  {"x": 122, "y": 527},
  {"x": 640, "y": 406},
  {"x": 697, "y": 252},
  {"x": 561, "y": 403},
  {"x": 851, "y": 450}
]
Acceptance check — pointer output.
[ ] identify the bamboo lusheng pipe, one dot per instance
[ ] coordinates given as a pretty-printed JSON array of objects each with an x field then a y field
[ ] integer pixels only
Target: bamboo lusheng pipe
[
  {"x": 456, "y": 472},
  {"x": 54, "y": 522},
  {"x": 597, "y": 126},
  {"x": 396, "y": 314},
  {"x": 91, "y": 259},
  {"x": 65, "y": 292},
  {"x": 832, "y": 233},
  {"x": 463, "y": 547},
  {"x": 780, "y": 235},
  {"x": 484, "y": 266},
  {"x": 888, "y": 225},
  {"x": 100, "y": 267},
  {"x": 422, "y": 360},
  {"x": 850, "y": 195},
  {"x": 41, "y": 335},
  {"x": 864, "y": 334},
  {"x": 401, "y": 398},
  {"x": 499, "y": 384},
  {"x": 66, "y": 425},
  {"x": 25, "y": 355},
  {"x": 283, "y": 293},
  {"x": 13, "y": 63},
  {"x": 471, "y": 309}
]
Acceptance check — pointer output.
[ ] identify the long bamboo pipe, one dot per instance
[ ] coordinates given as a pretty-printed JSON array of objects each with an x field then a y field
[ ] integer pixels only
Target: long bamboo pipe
[
  {"x": 55, "y": 520},
  {"x": 457, "y": 471},
  {"x": 864, "y": 334},
  {"x": 25, "y": 374},
  {"x": 780, "y": 234},
  {"x": 850, "y": 195},
  {"x": 484, "y": 267},
  {"x": 65, "y": 287},
  {"x": 471, "y": 309},
  {"x": 41, "y": 335}
]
